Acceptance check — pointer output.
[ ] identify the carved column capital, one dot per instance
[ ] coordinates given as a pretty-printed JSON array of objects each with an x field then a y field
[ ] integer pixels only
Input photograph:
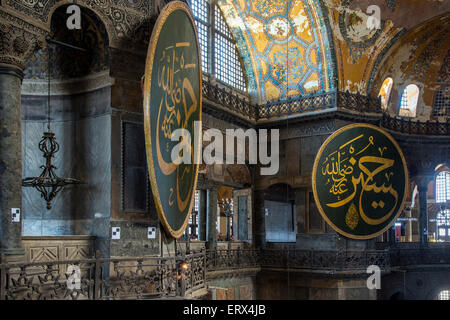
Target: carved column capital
[
  {"x": 422, "y": 182},
  {"x": 204, "y": 183},
  {"x": 18, "y": 40}
]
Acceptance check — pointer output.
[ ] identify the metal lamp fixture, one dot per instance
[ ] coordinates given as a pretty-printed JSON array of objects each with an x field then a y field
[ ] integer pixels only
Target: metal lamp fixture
[
  {"x": 227, "y": 206},
  {"x": 48, "y": 183}
]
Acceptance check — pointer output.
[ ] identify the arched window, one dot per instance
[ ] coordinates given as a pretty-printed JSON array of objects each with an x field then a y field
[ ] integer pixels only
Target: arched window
[
  {"x": 443, "y": 225},
  {"x": 441, "y": 103},
  {"x": 444, "y": 295},
  {"x": 408, "y": 101},
  {"x": 442, "y": 186},
  {"x": 223, "y": 60},
  {"x": 385, "y": 92}
]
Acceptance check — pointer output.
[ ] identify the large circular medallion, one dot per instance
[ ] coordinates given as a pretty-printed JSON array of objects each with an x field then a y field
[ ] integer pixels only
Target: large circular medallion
[
  {"x": 173, "y": 100},
  {"x": 359, "y": 181}
]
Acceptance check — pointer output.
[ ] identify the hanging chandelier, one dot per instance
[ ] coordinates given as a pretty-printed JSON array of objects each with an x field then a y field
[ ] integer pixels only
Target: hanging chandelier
[{"x": 48, "y": 183}]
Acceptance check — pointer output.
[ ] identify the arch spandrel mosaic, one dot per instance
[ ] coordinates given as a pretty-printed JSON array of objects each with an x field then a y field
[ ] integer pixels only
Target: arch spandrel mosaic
[{"x": 286, "y": 51}]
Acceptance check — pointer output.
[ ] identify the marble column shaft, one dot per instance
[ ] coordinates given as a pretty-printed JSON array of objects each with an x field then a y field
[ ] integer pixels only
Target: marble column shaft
[
  {"x": 10, "y": 159},
  {"x": 423, "y": 213},
  {"x": 259, "y": 226},
  {"x": 202, "y": 215},
  {"x": 212, "y": 218}
]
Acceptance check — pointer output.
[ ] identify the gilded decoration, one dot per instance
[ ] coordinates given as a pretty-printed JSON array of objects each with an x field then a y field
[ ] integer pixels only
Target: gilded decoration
[
  {"x": 359, "y": 181},
  {"x": 173, "y": 100},
  {"x": 353, "y": 27},
  {"x": 286, "y": 50}
]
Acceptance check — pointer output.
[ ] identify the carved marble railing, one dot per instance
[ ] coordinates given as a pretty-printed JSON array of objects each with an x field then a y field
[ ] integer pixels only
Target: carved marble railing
[
  {"x": 296, "y": 259},
  {"x": 320, "y": 101},
  {"x": 409, "y": 126},
  {"x": 332, "y": 260},
  {"x": 103, "y": 278},
  {"x": 232, "y": 259},
  {"x": 335, "y": 100},
  {"x": 147, "y": 277},
  {"x": 423, "y": 256},
  {"x": 297, "y": 106},
  {"x": 228, "y": 100}
]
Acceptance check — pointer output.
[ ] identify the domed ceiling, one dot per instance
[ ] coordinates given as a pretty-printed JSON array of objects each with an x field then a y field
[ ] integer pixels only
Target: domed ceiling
[{"x": 283, "y": 45}]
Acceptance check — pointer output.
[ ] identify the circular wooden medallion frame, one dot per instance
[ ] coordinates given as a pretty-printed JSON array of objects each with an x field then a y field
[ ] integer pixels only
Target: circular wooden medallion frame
[
  {"x": 165, "y": 13},
  {"x": 314, "y": 186}
]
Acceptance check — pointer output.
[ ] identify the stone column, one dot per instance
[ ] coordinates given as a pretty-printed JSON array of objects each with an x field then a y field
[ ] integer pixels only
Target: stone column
[
  {"x": 211, "y": 205},
  {"x": 422, "y": 187},
  {"x": 391, "y": 236},
  {"x": 202, "y": 215},
  {"x": 10, "y": 159},
  {"x": 259, "y": 218},
  {"x": 408, "y": 227},
  {"x": 18, "y": 41}
]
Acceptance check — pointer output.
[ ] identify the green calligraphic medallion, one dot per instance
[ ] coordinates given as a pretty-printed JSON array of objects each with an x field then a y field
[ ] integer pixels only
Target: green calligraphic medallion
[
  {"x": 359, "y": 181},
  {"x": 172, "y": 100}
]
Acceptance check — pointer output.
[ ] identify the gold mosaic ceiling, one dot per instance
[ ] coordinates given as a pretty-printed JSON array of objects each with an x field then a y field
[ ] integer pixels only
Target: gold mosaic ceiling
[{"x": 283, "y": 45}]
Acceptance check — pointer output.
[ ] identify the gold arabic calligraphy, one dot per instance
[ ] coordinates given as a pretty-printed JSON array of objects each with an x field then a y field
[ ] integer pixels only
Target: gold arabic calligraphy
[
  {"x": 339, "y": 168},
  {"x": 178, "y": 90}
]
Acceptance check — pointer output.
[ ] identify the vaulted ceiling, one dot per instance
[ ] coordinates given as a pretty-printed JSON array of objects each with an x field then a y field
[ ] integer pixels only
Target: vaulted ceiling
[
  {"x": 292, "y": 48},
  {"x": 283, "y": 44}
]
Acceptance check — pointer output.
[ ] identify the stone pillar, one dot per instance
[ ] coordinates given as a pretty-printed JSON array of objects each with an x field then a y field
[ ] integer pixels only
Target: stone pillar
[
  {"x": 211, "y": 205},
  {"x": 408, "y": 227},
  {"x": 423, "y": 211},
  {"x": 202, "y": 215},
  {"x": 391, "y": 236},
  {"x": 259, "y": 225},
  {"x": 10, "y": 160},
  {"x": 18, "y": 41}
]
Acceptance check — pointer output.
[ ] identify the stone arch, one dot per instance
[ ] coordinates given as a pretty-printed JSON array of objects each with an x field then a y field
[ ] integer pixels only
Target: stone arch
[
  {"x": 284, "y": 189},
  {"x": 78, "y": 105},
  {"x": 414, "y": 57},
  {"x": 69, "y": 63},
  {"x": 96, "y": 9}
]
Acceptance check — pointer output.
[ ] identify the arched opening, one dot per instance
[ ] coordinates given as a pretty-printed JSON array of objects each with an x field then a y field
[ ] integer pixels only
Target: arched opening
[
  {"x": 442, "y": 186},
  {"x": 441, "y": 102},
  {"x": 408, "y": 101},
  {"x": 385, "y": 92},
  {"x": 439, "y": 211},
  {"x": 71, "y": 89},
  {"x": 223, "y": 60}
]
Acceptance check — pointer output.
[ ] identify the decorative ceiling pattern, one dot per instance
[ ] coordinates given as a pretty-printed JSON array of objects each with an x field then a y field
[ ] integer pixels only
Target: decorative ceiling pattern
[
  {"x": 418, "y": 57},
  {"x": 283, "y": 45}
]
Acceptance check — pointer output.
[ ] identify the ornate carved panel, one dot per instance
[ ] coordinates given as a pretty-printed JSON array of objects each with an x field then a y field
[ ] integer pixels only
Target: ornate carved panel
[{"x": 47, "y": 248}]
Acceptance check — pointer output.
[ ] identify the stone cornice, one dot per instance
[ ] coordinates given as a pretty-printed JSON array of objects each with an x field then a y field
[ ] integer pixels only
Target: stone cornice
[{"x": 89, "y": 83}]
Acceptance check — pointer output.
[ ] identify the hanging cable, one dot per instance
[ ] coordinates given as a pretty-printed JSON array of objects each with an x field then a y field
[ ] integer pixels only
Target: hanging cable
[
  {"x": 287, "y": 132},
  {"x": 48, "y": 96}
]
